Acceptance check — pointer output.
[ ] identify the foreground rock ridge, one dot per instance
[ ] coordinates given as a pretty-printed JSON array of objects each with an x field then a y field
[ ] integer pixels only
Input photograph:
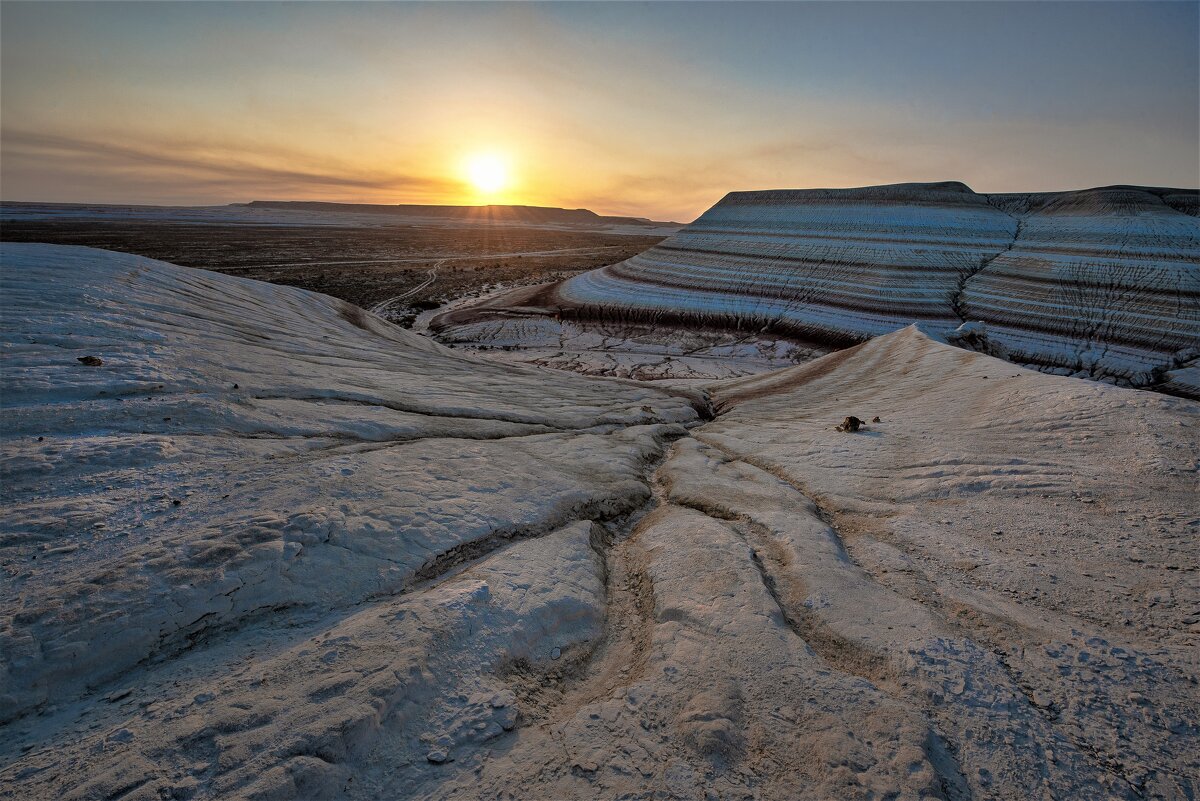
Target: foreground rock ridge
[
  {"x": 272, "y": 547},
  {"x": 1102, "y": 283}
]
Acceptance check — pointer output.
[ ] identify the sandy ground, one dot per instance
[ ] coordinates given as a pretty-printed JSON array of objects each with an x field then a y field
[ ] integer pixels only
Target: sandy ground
[{"x": 397, "y": 571}]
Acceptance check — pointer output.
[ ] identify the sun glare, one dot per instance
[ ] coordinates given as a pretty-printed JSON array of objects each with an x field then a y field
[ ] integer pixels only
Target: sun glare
[{"x": 487, "y": 173}]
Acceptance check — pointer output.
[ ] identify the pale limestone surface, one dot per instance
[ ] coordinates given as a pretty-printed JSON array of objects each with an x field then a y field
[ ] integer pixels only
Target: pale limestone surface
[{"x": 436, "y": 577}]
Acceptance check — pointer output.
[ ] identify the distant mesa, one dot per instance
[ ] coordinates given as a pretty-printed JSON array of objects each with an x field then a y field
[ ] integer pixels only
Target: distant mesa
[
  {"x": 303, "y": 212},
  {"x": 526, "y": 215},
  {"x": 1102, "y": 283}
]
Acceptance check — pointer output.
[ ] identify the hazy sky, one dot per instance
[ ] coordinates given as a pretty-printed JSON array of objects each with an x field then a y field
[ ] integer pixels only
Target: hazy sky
[{"x": 650, "y": 109}]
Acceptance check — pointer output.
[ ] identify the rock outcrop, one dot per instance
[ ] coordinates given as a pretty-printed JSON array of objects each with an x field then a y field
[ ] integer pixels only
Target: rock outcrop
[
  {"x": 1103, "y": 283},
  {"x": 248, "y": 451}
]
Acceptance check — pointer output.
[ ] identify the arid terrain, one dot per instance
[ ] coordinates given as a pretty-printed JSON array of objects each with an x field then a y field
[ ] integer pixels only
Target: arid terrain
[
  {"x": 261, "y": 544},
  {"x": 600, "y": 401},
  {"x": 1100, "y": 283},
  {"x": 396, "y": 266}
]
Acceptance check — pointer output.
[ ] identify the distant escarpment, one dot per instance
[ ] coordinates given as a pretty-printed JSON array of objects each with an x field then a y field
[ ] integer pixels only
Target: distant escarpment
[
  {"x": 496, "y": 214},
  {"x": 1103, "y": 283}
]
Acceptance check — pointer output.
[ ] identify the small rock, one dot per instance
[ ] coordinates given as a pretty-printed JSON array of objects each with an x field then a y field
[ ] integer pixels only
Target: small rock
[
  {"x": 849, "y": 425},
  {"x": 876, "y": 419},
  {"x": 437, "y": 756},
  {"x": 91, "y": 361},
  {"x": 204, "y": 698},
  {"x": 507, "y": 718},
  {"x": 176, "y": 502},
  {"x": 555, "y": 653}
]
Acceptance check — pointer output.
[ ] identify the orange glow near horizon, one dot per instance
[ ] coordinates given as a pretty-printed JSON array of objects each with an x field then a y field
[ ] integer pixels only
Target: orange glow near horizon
[{"x": 652, "y": 110}]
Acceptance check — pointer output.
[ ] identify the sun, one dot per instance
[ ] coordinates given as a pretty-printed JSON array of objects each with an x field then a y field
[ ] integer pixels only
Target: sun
[{"x": 487, "y": 172}]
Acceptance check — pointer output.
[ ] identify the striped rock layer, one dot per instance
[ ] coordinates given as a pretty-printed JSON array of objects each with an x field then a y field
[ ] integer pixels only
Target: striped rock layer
[{"x": 1103, "y": 282}]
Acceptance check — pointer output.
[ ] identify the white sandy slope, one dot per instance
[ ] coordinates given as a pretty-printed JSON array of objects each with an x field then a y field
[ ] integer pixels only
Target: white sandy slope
[
  {"x": 992, "y": 593},
  {"x": 249, "y": 450}
]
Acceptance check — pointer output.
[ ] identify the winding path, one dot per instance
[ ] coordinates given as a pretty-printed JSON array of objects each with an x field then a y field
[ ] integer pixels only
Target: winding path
[{"x": 384, "y": 307}]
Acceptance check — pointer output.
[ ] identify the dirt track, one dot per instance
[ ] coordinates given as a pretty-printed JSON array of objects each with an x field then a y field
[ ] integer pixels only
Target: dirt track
[{"x": 364, "y": 265}]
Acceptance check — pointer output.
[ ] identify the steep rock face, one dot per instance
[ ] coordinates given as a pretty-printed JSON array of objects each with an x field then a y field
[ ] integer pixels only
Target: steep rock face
[
  {"x": 1104, "y": 282},
  {"x": 841, "y": 264}
]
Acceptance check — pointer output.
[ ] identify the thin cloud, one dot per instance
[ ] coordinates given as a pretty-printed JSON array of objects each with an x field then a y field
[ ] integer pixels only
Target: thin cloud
[{"x": 236, "y": 170}]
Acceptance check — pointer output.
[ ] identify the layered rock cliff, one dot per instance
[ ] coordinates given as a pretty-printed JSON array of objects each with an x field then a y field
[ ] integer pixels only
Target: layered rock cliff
[{"x": 1103, "y": 283}]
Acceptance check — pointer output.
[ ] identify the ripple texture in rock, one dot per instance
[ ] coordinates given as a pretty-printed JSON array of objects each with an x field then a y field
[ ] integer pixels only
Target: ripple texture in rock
[{"x": 1103, "y": 283}]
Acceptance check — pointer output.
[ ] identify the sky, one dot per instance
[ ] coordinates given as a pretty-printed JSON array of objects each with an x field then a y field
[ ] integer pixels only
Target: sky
[{"x": 649, "y": 109}]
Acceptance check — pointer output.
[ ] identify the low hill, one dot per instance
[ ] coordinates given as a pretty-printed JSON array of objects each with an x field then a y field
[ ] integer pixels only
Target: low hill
[{"x": 514, "y": 215}]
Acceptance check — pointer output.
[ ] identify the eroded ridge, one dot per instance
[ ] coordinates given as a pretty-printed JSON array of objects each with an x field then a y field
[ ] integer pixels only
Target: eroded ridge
[{"x": 1102, "y": 283}]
